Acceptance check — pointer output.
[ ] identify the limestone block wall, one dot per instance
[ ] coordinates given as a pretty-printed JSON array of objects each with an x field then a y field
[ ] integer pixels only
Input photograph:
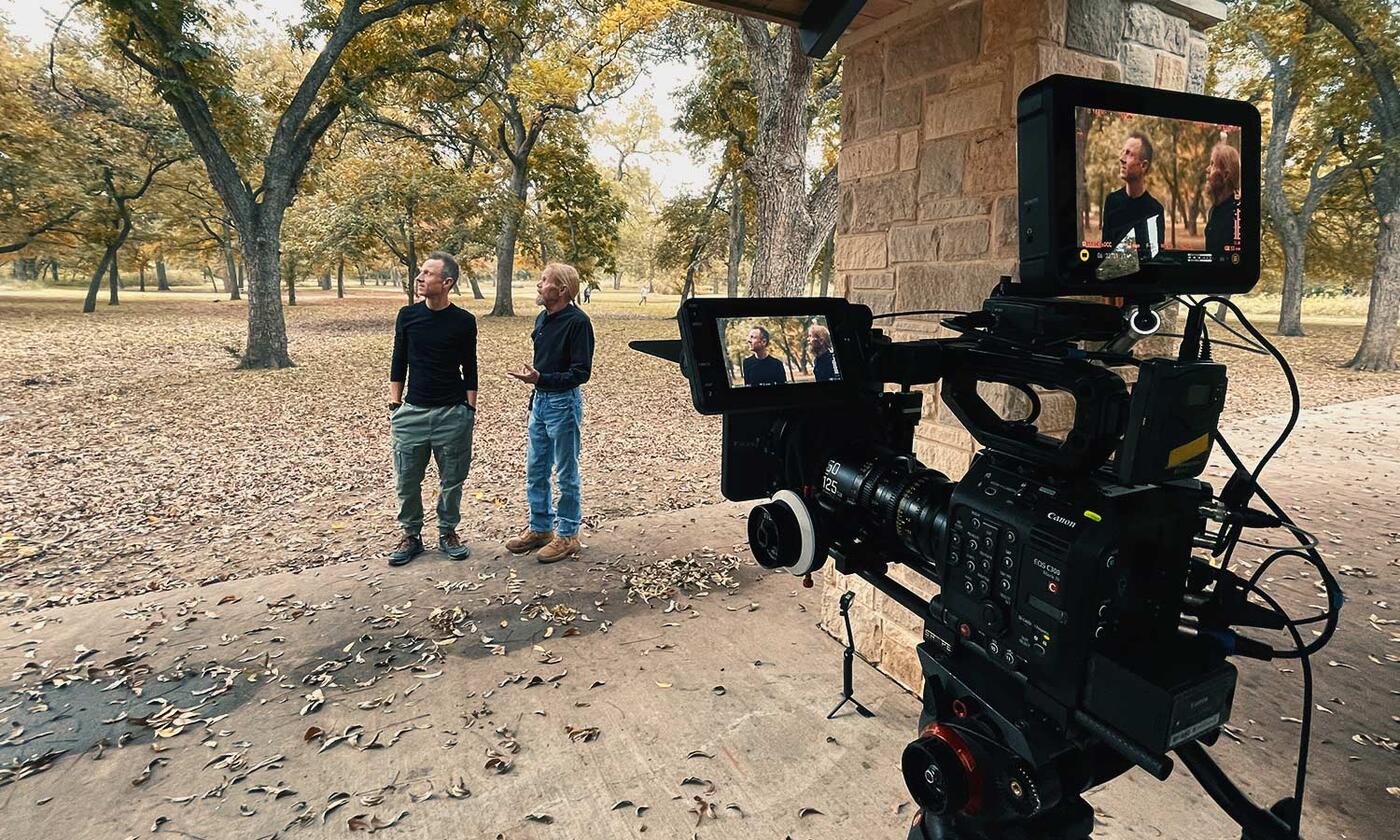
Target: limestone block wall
[{"x": 927, "y": 176}]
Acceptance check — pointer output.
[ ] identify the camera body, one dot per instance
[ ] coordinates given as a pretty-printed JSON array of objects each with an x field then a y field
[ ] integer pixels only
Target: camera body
[{"x": 1061, "y": 648}]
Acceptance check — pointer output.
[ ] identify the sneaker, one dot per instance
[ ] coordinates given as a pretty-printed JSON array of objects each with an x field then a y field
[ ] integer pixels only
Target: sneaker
[
  {"x": 408, "y": 548},
  {"x": 559, "y": 548},
  {"x": 528, "y": 540},
  {"x": 451, "y": 545}
]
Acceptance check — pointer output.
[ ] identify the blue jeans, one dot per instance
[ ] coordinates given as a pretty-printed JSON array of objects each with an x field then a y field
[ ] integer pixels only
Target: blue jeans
[{"x": 554, "y": 443}]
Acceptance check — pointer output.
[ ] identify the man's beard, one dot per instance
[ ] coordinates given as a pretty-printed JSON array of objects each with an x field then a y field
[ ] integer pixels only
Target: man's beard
[{"x": 1216, "y": 187}]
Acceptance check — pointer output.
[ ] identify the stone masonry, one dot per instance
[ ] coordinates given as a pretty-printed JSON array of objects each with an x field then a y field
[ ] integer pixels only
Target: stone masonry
[{"x": 927, "y": 177}]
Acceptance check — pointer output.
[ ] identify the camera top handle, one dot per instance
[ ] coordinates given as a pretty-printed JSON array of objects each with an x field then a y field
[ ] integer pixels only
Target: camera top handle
[{"x": 1023, "y": 342}]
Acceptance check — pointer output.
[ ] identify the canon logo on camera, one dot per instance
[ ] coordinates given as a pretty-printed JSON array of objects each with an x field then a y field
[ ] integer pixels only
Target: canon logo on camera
[{"x": 1063, "y": 520}]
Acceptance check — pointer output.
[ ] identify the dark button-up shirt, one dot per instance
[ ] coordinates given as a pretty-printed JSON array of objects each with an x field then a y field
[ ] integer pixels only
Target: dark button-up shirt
[{"x": 563, "y": 349}]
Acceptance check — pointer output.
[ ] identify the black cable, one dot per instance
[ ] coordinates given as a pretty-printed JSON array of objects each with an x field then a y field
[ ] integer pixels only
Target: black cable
[
  {"x": 1257, "y": 823},
  {"x": 1217, "y": 319},
  {"x": 1305, "y": 538},
  {"x": 1296, "y": 403},
  {"x": 920, "y": 312},
  {"x": 1301, "y": 774},
  {"x": 1335, "y": 596},
  {"x": 1214, "y": 342}
]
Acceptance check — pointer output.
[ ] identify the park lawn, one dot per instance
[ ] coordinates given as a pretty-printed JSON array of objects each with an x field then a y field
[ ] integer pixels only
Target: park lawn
[{"x": 136, "y": 458}]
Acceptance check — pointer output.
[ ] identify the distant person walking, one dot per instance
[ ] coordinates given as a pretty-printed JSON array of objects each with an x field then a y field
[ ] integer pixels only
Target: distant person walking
[
  {"x": 563, "y": 361},
  {"x": 435, "y": 350},
  {"x": 646, "y": 290}
]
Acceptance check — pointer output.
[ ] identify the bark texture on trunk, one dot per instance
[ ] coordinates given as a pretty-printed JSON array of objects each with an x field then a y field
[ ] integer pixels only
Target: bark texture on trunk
[
  {"x": 1377, "y": 350},
  {"x": 736, "y": 237},
  {"x": 267, "y": 329},
  {"x": 505, "y": 243},
  {"x": 340, "y": 278},
  {"x": 1290, "y": 318},
  {"x": 792, "y": 225},
  {"x": 114, "y": 282}
]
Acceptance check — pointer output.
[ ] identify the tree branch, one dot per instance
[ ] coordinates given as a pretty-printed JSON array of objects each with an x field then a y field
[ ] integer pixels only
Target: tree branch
[
  {"x": 34, "y": 233},
  {"x": 1371, "y": 55}
]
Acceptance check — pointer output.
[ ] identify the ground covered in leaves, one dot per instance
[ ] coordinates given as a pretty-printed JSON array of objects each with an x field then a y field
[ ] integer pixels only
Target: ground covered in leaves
[{"x": 135, "y": 458}]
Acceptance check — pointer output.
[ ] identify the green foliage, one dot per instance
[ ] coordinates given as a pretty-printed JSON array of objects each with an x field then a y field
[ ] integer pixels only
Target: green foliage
[
  {"x": 1334, "y": 104},
  {"x": 583, "y": 210},
  {"x": 693, "y": 232}
]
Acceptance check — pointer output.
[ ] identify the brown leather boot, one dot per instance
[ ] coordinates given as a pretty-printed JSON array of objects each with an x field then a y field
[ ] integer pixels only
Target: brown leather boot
[
  {"x": 559, "y": 548},
  {"x": 527, "y": 541}
]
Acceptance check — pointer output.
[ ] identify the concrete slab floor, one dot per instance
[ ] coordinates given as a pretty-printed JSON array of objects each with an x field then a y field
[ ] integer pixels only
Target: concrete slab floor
[{"x": 308, "y": 705}]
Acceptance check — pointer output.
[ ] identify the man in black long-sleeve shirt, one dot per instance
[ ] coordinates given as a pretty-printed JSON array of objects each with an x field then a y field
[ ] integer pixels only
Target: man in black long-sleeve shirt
[
  {"x": 762, "y": 368},
  {"x": 1133, "y": 208},
  {"x": 563, "y": 361},
  {"x": 435, "y": 350}
]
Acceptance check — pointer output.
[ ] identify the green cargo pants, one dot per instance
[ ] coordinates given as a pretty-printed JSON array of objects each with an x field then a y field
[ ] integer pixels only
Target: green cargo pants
[{"x": 445, "y": 432}]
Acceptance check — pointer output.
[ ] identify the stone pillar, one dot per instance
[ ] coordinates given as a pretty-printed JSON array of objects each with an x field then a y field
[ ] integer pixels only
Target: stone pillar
[{"x": 927, "y": 177}]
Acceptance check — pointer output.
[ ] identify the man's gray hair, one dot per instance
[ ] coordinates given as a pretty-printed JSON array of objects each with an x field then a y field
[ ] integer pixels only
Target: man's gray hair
[{"x": 450, "y": 271}]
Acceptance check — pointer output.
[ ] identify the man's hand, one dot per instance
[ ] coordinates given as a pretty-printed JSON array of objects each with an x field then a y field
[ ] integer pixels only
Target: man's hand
[{"x": 526, "y": 374}]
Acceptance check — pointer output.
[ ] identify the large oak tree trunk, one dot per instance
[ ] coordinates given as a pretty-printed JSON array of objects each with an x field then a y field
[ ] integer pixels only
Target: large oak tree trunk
[
  {"x": 267, "y": 330},
  {"x": 1290, "y": 317},
  {"x": 340, "y": 278},
  {"x": 792, "y": 225},
  {"x": 1377, "y": 351},
  {"x": 505, "y": 244}
]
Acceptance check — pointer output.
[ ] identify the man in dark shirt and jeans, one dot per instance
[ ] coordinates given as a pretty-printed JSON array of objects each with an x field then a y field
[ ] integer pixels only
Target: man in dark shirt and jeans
[
  {"x": 435, "y": 349},
  {"x": 563, "y": 361}
]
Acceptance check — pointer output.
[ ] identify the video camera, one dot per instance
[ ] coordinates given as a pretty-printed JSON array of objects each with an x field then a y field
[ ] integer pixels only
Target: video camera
[{"x": 1075, "y": 634}]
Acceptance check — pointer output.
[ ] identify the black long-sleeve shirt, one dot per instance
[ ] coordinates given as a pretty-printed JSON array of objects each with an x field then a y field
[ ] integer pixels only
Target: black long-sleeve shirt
[
  {"x": 765, "y": 371},
  {"x": 439, "y": 349},
  {"x": 1122, "y": 214},
  {"x": 563, "y": 349},
  {"x": 824, "y": 367},
  {"x": 1220, "y": 227}
]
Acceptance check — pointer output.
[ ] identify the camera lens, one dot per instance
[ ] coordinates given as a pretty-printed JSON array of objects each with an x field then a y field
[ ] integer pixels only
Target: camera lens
[{"x": 903, "y": 500}]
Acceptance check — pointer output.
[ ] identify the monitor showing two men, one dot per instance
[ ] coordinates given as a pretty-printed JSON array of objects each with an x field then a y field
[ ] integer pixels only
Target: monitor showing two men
[
  {"x": 1167, "y": 189},
  {"x": 777, "y": 350}
]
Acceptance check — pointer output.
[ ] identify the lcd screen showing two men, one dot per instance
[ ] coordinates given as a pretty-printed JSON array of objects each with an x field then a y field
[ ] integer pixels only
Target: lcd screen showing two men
[
  {"x": 1168, "y": 188},
  {"x": 777, "y": 350}
]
